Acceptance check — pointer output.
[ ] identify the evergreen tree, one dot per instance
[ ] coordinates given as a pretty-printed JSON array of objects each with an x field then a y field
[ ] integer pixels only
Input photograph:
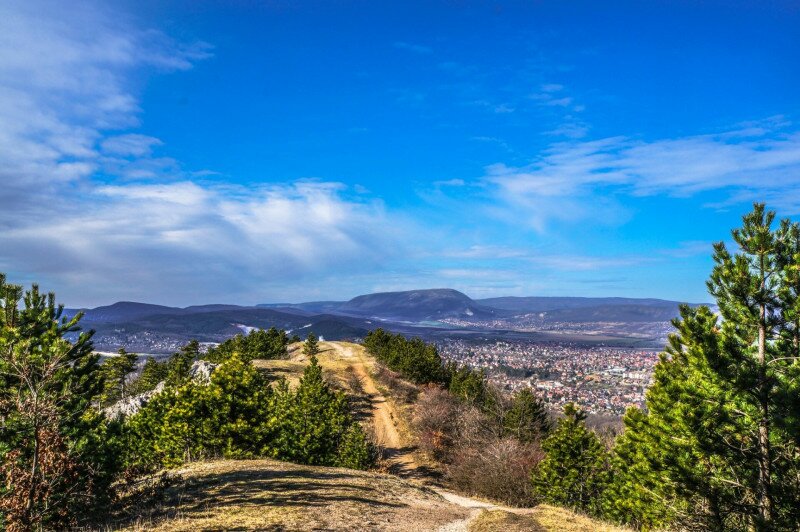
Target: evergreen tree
[
  {"x": 257, "y": 345},
  {"x": 56, "y": 452},
  {"x": 316, "y": 426},
  {"x": 722, "y": 423},
  {"x": 527, "y": 419},
  {"x": 152, "y": 373},
  {"x": 311, "y": 346},
  {"x": 354, "y": 451},
  {"x": 180, "y": 364},
  {"x": 229, "y": 417},
  {"x": 241, "y": 420},
  {"x": 574, "y": 472},
  {"x": 469, "y": 385},
  {"x": 116, "y": 373},
  {"x": 415, "y": 359}
]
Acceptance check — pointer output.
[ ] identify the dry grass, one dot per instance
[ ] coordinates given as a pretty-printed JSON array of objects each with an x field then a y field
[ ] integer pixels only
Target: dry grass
[
  {"x": 334, "y": 364},
  {"x": 542, "y": 518},
  {"x": 271, "y": 495}
]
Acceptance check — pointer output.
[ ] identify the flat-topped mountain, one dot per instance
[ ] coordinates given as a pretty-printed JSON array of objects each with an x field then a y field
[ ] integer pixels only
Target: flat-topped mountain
[{"x": 416, "y": 305}]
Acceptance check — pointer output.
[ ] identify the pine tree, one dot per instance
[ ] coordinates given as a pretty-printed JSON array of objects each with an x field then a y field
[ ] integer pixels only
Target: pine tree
[
  {"x": 231, "y": 416},
  {"x": 722, "y": 425},
  {"x": 311, "y": 346},
  {"x": 152, "y": 373},
  {"x": 116, "y": 372},
  {"x": 574, "y": 472},
  {"x": 180, "y": 363},
  {"x": 315, "y": 425},
  {"x": 527, "y": 419},
  {"x": 258, "y": 344},
  {"x": 56, "y": 452}
]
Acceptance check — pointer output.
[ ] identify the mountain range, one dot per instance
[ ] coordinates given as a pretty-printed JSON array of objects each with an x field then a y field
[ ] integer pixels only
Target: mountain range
[{"x": 432, "y": 313}]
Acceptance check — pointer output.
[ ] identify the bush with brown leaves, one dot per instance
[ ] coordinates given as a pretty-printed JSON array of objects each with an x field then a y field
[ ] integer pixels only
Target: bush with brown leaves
[{"x": 500, "y": 469}]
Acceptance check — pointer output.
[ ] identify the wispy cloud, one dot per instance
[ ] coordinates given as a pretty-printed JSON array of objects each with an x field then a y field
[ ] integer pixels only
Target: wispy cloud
[
  {"x": 164, "y": 241},
  {"x": 580, "y": 179},
  {"x": 63, "y": 84}
]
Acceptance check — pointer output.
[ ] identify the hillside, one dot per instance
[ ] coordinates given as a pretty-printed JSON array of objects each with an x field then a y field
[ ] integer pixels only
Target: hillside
[
  {"x": 271, "y": 495},
  {"x": 545, "y": 304}
]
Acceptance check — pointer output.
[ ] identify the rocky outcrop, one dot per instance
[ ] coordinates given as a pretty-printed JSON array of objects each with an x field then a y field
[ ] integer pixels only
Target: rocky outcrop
[
  {"x": 200, "y": 372},
  {"x": 131, "y": 405}
]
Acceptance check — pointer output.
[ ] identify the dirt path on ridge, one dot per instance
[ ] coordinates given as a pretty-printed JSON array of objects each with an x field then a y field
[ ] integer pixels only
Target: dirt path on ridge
[{"x": 399, "y": 454}]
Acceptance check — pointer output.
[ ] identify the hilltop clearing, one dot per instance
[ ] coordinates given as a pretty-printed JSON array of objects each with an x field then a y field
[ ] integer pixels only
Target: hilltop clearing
[{"x": 272, "y": 495}]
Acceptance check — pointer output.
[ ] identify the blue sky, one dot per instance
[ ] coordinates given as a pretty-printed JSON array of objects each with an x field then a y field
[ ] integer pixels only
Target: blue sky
[{"x": 190, "y": 152}]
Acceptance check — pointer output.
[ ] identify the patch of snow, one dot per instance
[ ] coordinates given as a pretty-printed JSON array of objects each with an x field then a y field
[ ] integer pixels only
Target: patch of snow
[{"x": 245, "y": 328}]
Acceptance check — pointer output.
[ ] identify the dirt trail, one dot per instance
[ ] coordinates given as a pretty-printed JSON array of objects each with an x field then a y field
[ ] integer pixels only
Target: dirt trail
[{"x": 399, "y": 453}]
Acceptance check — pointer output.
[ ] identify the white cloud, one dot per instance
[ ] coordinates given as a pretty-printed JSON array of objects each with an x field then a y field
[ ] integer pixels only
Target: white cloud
[
  {"x": 148, "y": 230},
  {"x": 182, "y": 242},
  {"x": 131, "y": 144},
  {"x": 63, "y": 85},
  {"x": 578, "y": 180},
  {"x": 551, "y": 87}
]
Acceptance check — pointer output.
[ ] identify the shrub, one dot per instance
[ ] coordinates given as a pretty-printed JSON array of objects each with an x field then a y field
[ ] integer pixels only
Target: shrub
[
  {"x": 436, "y": 422},
  {"x": 258, "y": 344},
  {"x": 400, "y": 389},
  {"x": 499, "y": 469},
  {"x": 58, "y": 456}
]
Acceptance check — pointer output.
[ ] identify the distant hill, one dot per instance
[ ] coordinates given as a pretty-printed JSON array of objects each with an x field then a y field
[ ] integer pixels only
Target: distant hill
[
  {"x": 148, "y": 328},
  {"x": 158, "y": 329},
  {"x": 589, "y": 309},
  {"x": 416, "y": 305},
  {"x": 123, "y": 311}
]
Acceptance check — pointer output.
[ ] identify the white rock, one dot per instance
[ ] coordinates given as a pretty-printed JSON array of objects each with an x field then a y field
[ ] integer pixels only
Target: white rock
[{"x": 200, "y": 372}]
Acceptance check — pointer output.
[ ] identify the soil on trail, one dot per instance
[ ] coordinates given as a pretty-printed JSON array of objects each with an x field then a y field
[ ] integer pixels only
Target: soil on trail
[{"x": 398, "y": 454}]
